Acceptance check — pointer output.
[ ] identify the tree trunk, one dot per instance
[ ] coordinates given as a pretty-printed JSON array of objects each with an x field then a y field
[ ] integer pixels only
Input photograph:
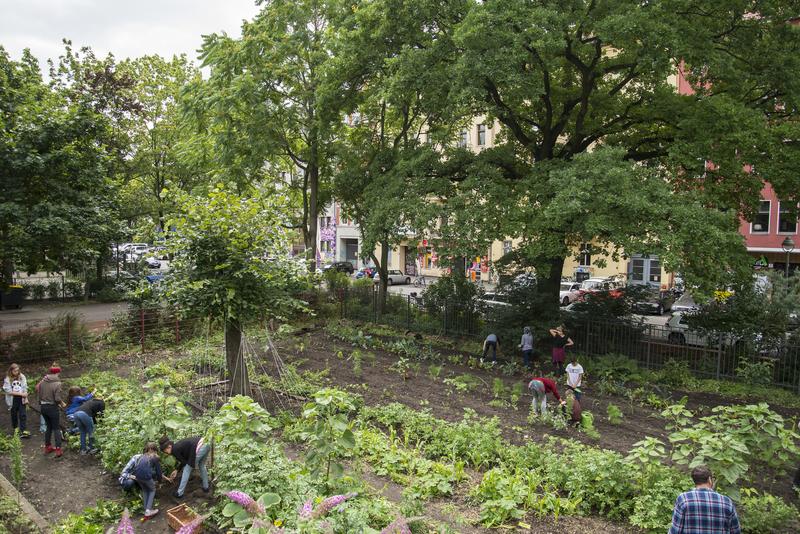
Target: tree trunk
[
  {"x": 234, "y": 357},
  {"x": 460, "y": 266},
  {"x": 6, "y": 262},
  {"x": 548, "y": 287},
  {"x": 382, "y": 265}
]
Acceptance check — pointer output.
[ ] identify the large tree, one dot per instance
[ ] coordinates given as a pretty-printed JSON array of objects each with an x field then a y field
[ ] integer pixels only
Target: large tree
[
  {"x": 261, "y": 105},
  {"x": 231, "y": 264},
  {"x": 595, "y": 141},
  {"x": 56, "y": 198},
  {"x": 396, "y": 117}
]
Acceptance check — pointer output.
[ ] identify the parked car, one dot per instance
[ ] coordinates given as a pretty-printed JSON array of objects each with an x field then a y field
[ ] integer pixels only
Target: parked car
[
  {"x": 649, "y": 300},
  {"x": 395, "y": 277},
  {"x": 490, "y": 301},
  {"x": 152, "y": 263},
  {"x": 340, "y": 266},
  {"x": 569, "y": 293},
  {"x": 685, "y": 303}
]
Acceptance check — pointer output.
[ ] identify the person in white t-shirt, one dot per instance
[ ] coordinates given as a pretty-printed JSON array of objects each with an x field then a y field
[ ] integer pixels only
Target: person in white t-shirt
[{"x": 574, "y": 372}]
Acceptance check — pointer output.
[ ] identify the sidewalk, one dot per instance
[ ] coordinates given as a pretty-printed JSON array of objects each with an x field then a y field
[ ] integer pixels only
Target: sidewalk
[{"x": 93, "y": 314}]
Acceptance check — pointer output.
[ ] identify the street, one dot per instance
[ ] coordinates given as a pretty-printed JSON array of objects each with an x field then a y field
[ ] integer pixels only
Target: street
[{"x": 37, "y": 315}]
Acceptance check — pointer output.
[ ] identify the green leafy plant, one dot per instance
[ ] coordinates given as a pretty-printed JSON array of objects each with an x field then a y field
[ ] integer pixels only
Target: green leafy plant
[
  {"x": 766, "y": 513},
  {"x": 329, "y": 436},
  {"x": 92, "y": 520},
  {"x": 434, "y": 371},
  {"x": 758, "y": 373},
  {"x": 17, "y": 464},
  {"x": 614, "y": 414},
  {"x": 587, "y": 425}
]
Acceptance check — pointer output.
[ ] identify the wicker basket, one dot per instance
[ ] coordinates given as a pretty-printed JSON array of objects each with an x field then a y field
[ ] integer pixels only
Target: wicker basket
[{"x": 180, "y": 516}]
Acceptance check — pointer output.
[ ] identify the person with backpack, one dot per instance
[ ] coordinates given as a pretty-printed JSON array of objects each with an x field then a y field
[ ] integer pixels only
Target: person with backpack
[
  {"x": 147, "y": 473},
  {"x": 15, "y": 386},
  {"x": 86, "y": 418},
  {"x": 190, "y": 453}
]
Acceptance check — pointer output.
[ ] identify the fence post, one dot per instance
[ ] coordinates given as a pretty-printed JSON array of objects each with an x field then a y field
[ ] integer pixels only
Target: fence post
[
  {"x": 649, "y": 341},
  {"x": 68, "y": 323},
  {"x": 588, "y": 325},
  {"x": 408, "y": 312},
  {"x": 444, "y": 320},
  {"x": 177, "y": 330},
  {"x": 719, "y": 356},
  {"x": 141, "y": 326}
]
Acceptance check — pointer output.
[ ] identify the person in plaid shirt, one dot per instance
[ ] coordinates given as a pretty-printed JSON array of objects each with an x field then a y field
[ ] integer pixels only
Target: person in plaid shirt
[{"x": 703, "y": 510}]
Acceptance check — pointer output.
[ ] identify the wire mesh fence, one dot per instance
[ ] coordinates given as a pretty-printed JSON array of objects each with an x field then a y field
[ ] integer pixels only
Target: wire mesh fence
[
  {"x": 720, "y": 356},
  {"x": 67, "y": 335}
]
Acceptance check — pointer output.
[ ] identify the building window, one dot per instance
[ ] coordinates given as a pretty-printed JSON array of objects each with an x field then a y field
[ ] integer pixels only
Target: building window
[
  {"x": 462, "y": 139},
  {"x": 760, "y": 224},
  {"x": 787, "y": 218},
  {"x": 506, "y": 246},
  {"x": 324, "y": 222},
  {"x": 585, "y": 258},
  {"x": 655, "y": 270},
  {"x": 481, "y": 134},
  {"x": 637, "y": 269}
]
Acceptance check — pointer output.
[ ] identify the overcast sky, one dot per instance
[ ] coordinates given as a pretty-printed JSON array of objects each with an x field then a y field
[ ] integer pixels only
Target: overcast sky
[{"x": 127, "y": 28}]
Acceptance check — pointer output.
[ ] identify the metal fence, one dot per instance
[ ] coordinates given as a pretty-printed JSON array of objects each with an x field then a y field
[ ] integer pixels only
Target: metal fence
[
  {"x": 68, "y": 335},
  {"x": 652, "y": 346}
]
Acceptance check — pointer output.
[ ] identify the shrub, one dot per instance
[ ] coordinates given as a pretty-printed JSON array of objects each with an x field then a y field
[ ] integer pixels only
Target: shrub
[
  {"x": 336, "y": 280},
  {"x": 38, "y": 291},
  {"x": 676, "y": 374},
  {"x": 73, "y": 288},
  {"x": 755, "y": 373},
  {"x": 766, "y": 513},
  {"x": 54, "y": 289}
]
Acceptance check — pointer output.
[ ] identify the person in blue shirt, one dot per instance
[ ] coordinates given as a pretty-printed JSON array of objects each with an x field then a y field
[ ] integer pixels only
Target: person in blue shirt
[
  {"x": 74, "y": 401},
  {"x": 147, "y": 473},
  {"x": 703, "y": 510}
]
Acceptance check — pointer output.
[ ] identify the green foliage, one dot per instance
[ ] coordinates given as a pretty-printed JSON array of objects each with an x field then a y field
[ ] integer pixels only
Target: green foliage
[
  {"x": 755, "y": 373},
  {"x": 92, "y": 520},
  {"x": 13, "y": 520},
  {"x": 733, "y": 440},
  {"x": 17, "y": 464},
  {"x": 455, "y": 292},
  {"x": 463, "y": 383},
  {"x": 676, "y": 374},
  {"x": 434, "y": 371},
  {"x": 245, "y": 520},
  {"x": 504, "y": 495},
  {"x": 167, "y": 372},
  {"x": 238, "y": 423},
  {"x": 614, "y": 414},
  {"x": 329, "y": 433},
  {"x": 766, "y": 513},
  {"x": 336, "y": 280},
  {"x": 587, "y": 425}
]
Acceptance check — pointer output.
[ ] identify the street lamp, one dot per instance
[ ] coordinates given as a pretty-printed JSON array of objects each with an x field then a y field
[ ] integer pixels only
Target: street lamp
[{"x": 788, "y": 247}]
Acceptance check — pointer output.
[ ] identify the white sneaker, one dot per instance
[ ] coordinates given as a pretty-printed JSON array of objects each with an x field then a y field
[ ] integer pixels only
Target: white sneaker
[{"x": 150, "y": 513}]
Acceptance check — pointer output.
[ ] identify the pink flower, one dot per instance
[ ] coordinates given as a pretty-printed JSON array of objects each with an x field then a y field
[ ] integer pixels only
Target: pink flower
[
  {"x": 192, "y": 527},
  {"x": 398, "y": 526},
  {"x": 305, "y": 511},
  {"x": 246, "y": 501},
  {"x": 330, "y": 503},
  {"x": 125, "y": 526}
]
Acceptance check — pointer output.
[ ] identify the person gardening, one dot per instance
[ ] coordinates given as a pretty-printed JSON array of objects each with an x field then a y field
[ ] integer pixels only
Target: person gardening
[
  {"x": 703, "y": 510},
  {"x": 190, "y": 453},
  {"x": 560, "y": 343},
  {"x": 540, "y": 386},
  {"x": 15, "y": 386},
  {"x": 491, "y": 342},
  {"x": 74, "y": 401},
  {"x": 147, "y": 473},
  {"x": 574, "y": 372},
  {"x": 50, "y": 401},
  {"x": 86, "y": 418}
]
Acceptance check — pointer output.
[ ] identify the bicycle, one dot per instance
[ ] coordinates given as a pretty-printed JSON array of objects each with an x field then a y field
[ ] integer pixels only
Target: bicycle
[{"x": 420, "y": 281}]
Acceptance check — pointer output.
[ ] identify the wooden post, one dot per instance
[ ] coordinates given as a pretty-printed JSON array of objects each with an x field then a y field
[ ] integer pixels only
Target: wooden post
[{"x": 141, "y": 327}]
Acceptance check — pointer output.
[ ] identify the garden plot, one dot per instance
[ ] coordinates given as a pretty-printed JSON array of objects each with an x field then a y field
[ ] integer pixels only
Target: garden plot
[{"x": 422, "y": 430}]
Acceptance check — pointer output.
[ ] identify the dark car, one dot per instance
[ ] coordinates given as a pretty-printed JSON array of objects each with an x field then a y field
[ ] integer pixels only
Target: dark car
[
  {"x": 340, "y": 266},
  {"x": 649, "y": 300}
]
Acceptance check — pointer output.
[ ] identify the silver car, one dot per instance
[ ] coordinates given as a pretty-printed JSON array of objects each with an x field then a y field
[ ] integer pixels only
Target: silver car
[
  {"x": 395, "y": 277},
  {"x": 569, "y": 293}
]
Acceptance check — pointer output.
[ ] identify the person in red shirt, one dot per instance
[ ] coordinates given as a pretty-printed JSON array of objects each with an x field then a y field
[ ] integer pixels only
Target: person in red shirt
[{"x": 540, "y": 386}]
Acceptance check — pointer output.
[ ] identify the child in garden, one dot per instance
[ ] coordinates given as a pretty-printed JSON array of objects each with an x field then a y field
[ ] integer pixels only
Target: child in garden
[
  {"x": 540, "y": 386},
  {"x": 560, "y": 343},
  {"x": 147, "y": 473},
  {"x": 574, "y": 372},
  {"x": 15, "y": 386},
  {"x": 191, "y": 453},
  {"x": 127, "y": 479},
  {"x": 526, "y": 346},
  {"x": 49, "y": 390},
  {"x": 74, "y": 400},
  {"x": 86, "y": 418}
]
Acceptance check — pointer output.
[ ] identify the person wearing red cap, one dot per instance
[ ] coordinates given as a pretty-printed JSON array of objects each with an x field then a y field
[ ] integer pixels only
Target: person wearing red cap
[
  {"x": 540, "y": 386},
  {"x": 50, "y": 401}
]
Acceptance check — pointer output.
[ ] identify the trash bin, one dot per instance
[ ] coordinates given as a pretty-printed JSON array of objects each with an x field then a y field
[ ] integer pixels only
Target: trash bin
[{"x": 12, "y": 297}]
